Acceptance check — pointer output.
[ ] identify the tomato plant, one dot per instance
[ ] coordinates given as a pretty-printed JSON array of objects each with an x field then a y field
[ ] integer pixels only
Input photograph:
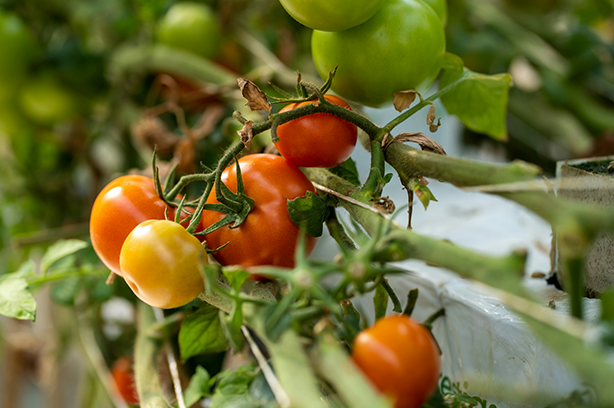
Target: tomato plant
[
  {"x": 401, "y": 47},
  {"x": 268, "y": 236},
  {"x": 123, "y": 376},
  {"x": 160, "y": 261},
  {"x": 122, "y": 205},
  {"x": 400, "y": 358},
  {"x": 192, "y": 27},
  {"x": 317, "y": 140},
  {"x": 332, "y": 15}
]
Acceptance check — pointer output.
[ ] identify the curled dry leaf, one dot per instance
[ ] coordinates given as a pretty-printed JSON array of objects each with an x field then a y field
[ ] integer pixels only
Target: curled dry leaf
[
  {"x": 403, "y": 99},
  {"x": 151, "y": 132},
  {"x": 425, "y": 142},
  {"x": 208, "y": 120},
  {"x": 256, "y": 99},
  {"x": 384, "y": 205},
  {"x": 185, "y": 156},
  {"x": 246, "y": 134},
  {"x": 430, "y": 120}
]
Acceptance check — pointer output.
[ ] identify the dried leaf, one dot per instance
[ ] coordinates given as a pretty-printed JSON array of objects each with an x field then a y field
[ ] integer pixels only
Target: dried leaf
[
  {"x": 384, "y": 205},
  {"x": 256, "y": 99},
  {"x": 403, "y": 99},
  {"x": 430, "y": 120},
  {"x": 151, "y": 132},
  {"x": 425, "y": 142},
  {"x": 246, "y": 134},
  {"x": 185, "y": 156},
  {"x": 208, "y": 120}
]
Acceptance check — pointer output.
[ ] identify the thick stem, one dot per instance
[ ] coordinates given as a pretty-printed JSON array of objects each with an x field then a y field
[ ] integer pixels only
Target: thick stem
[
  {"x": 147, "y": 348},
  {"x": 372, "y": 186},
  {"x": 574, "y": 284}
]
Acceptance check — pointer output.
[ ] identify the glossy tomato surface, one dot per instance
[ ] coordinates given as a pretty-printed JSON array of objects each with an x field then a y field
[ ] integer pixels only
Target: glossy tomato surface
[
  {"x": 331, "y": 15},
  {"x": 318, "y": 140},
  {"x": 401, "y": 47},
  {"x": 122, "y": 205},
  {"x": 123, "y": 375},
  {"x": 400, "y": 358},
  {"x": 441, "y": 8},
  {"x": 268, "y": 236},
  {"x": 160, "y": 261},
  {"x": 192, "y": 27}
]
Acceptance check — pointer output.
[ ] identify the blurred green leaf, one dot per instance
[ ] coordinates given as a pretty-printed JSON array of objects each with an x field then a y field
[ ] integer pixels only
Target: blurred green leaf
[
  {"x": 309, "y": 213},
  {"x": 347, "y": 171},
  {"x": 59, "y": 250},
  {"x": 198, "y": 388},
  {"x": 15, "y": 299}
]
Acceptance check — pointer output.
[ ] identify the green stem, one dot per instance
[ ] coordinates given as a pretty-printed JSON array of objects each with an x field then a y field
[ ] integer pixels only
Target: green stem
[
  {"x": 574, "y": 285},
  {"x": 147, "y": 349},
  {"x": 373, "y": 184},
  {"x": 410, "y": 162},
  {"x": 393, "y": 296},
  {"x": 66, "y": 274},
  {"x": 184, "y": 181},
  {"x": 412, "y": 298},
  {"x": 160, "y": 58},
  {"x": 431, "y": 319}
]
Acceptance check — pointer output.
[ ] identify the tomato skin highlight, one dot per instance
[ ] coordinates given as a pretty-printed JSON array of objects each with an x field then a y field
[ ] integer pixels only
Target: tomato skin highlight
[
  {"x": 401, "y": 47},
  {"x": 400, "y": 358},
  {"x": 123, "y": 375},
  {"x": 317, "y": 140},
  {"x": 331, "y": 15},
  {"x": 268, "y": 236},
  {"x": 160, "y": 261}
]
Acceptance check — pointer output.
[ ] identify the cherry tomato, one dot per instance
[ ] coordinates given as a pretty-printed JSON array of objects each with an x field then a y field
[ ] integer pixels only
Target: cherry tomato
[
  {"x": 441, "y": 8},
  {"x": 123, "y": 375},
  {"x": 122, "y": 205},
  {"x": 46, "y": 102},
  {"x": 268, "y": 236},
  {"x": 400, "y": 358},
  {"x": 318, "y": 140},
  {"x": 160, "y": 262},
  {"x": 331, "y": 15},
  {"x": 400, "y": 48},
  {"x": 192, "y": 27}
]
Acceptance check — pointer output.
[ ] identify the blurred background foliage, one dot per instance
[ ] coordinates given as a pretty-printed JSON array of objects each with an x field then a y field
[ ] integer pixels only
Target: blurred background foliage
[{"x": 87, "y": 88}]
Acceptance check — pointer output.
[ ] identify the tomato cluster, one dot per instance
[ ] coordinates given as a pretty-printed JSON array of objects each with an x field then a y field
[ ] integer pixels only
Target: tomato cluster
[{"x": 400, "y": 357}]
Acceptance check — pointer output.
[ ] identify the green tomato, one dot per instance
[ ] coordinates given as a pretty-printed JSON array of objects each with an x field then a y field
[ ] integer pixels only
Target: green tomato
[
  {"x": 47, "y": 102},
  {"x": 401, "y": 47},
  {"x": 331, "y": 15},
  {"x": 192, "y": 27},
  {"x": 17, "y": 49},
  {"x": 441, "y": 8}
]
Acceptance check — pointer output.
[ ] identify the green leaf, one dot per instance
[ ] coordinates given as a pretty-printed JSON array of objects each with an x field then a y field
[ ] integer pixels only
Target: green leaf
[
  {"x": 423, "y": 193},
  {"x": 26, "y": 269},
  {"x": 15, "y": 299},
  {"x": 347, "y": 171},
  {"x": 231, "y": 327},
  {"x": 198, "y": 387},
  {"x": 201, "y": 332},
  {"x": 233, "y": 389},
  {"x": 309, "y": 213},
  {"x": 380, "y": 302},
  {"x": 236, "y": 277},
  {"x": 478, "y": 100},
  {"x": 61, "y": 249},
  {"x": 64, "y": 291}
]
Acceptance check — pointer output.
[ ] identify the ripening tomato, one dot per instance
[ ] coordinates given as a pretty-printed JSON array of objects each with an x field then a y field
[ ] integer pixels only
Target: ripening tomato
[
  {"x": 160, "y": 261},
  {"x": 401, "y": 47},
  {"x": 318, "y": 140},
  {"x": 123, "y": 375},
  {"x": 192, "y": 27},
  {"x": 331, "y": 15},
  {"x": 122, "y": 205},
  {"x": 268, "y": 236},
  {"x": 400, "y": 357}
]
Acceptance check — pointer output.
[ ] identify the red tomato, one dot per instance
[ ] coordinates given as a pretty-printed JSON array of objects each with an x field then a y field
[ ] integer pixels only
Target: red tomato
[
  {"x": 122, "y": 205},
  {"x": 318, "y": 140},
  {"x": 268, "y": 236},
  {"x": 123, "y": 375},
  {"x": 160, "y": 261},
  {"x": 400, "y": 358}
]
